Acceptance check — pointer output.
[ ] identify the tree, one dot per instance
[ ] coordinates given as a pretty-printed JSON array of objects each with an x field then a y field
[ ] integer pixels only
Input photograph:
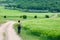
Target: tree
[{"x": 51, "y": 5}]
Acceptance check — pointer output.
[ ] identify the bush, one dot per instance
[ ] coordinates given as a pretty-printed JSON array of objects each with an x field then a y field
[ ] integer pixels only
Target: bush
[
  {"x": 46, "y": 16},
  {"x": 20, "y": 16},
  {"x": 58, "y": 37},
  {"x": 35, "y": 16},
  {"x": 4, "y": 16},
  {"x": 24, "y": 16},
  {"x": 54, "y": 37}
]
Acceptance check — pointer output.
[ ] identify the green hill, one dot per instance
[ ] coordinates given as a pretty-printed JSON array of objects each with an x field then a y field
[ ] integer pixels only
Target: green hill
[{"x": 50, "y": 5}]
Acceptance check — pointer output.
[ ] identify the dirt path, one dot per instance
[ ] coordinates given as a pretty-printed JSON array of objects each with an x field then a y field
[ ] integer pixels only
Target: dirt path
[
  {"x": 10, "y": 33},
  {"x": 55, "y": 15},
  {"x": 2, "y": 30}
]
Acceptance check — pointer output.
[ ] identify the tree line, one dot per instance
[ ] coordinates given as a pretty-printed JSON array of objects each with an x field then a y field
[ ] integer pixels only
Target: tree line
[{"x": 50, "y": 5}]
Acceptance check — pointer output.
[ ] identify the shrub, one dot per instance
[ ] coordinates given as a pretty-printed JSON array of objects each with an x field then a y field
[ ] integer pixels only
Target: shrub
[
  {"x": 4, "y": 16},
  {"x": 20, "y": 16},
  {"x": 35, "y": 16},
  {"x": 46, "y": 16},
  {"x": 54, "y": 37},
  {"x": 58, "y": 37},
  {"x": 24, "y": 16},
  {"x": 50, "y": 37}
]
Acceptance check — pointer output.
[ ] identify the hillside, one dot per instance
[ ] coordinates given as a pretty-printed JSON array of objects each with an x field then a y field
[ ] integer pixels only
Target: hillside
[{"x": 50, "y": 5}]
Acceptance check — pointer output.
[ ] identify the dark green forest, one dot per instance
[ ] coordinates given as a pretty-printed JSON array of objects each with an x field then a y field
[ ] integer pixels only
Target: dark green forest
[{"x": 45, "y": 5}]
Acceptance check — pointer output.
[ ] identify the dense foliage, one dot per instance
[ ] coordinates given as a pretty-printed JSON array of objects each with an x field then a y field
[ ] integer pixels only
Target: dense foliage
[{"x": 50, "y": 5}]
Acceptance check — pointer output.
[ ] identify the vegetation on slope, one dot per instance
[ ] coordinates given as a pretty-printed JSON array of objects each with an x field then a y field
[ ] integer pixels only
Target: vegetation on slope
[{"x": 45, "y": 5}]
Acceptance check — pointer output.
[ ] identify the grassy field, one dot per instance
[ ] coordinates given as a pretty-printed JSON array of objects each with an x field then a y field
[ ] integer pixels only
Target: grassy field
[
  {"x": 15, "y": 14},
  {"x": 40, "y": 28}
]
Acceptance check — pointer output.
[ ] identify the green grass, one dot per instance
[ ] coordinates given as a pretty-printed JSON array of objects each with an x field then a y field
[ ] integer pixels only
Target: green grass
[
  {"x": 2, "y": 21},
  {"x": 44, "y": 25},
  {"x": 33, "y": 29},
  {"x": 26, "y": 36},
  {"x": 15, "y": 14},
  {"x": 41, "y": 29}
]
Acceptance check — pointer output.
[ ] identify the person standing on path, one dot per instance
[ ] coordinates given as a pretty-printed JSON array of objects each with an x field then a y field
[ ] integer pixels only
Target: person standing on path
[{"x": 19, "y": 27}]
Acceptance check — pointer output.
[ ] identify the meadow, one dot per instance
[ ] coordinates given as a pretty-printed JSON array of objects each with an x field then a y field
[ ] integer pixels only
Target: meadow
[
  {"x": 42, "y": 29},
  {"x": 15, "y": 14},
  {"x": 39, "y": 28}
]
